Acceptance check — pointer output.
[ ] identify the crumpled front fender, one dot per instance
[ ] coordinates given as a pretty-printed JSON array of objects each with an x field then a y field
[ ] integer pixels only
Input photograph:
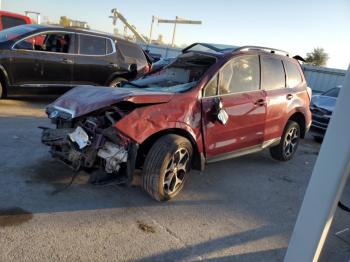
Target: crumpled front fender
[{"x": 144, "y": 122}]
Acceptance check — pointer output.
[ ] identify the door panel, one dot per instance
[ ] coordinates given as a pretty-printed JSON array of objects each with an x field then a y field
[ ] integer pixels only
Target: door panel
[
  {"x": 243, "y": 101},
  {"x": 244, "y": 127},
  {"x": 44, "y": 59},
  {"x": 26, "y": 67},
  {"x": 274, "y": 84},
  {"x": 58, "y": 68},
  {"x": 96, "y": 60},
  {"x": 92, "y": 70}
]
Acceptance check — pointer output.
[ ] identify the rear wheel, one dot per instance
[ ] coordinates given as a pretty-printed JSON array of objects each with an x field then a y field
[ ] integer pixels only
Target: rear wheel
[
  {"x": 117, "y": 82},
  {"x": 166, "y": 167},
  {"x": 288, "y": 145}
]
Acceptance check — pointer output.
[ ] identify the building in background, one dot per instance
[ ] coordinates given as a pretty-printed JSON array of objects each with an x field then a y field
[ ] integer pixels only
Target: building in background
[{"x": 67, "y": 22}]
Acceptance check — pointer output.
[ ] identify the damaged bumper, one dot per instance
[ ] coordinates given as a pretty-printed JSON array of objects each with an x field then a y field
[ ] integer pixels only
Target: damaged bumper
[{"x": 86, "y": 147}]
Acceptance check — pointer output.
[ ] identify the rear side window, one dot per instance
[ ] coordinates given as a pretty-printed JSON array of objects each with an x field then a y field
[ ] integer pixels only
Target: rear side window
[
  {"x": 129, "y": 50},
  {"x": 293, "y": 74},
  {"x": 9, "y": 21},
  {"x": 109, "y": 47},
  {"x": 92, "y": 45},
  {"x": 273, "y": 75},
  {"x": 241, "y": 74}
]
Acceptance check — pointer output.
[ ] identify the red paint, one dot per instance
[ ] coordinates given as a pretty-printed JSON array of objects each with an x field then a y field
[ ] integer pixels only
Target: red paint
[
  {"x": 26, "y": 19},
  {"x": 248, "y": 124}
]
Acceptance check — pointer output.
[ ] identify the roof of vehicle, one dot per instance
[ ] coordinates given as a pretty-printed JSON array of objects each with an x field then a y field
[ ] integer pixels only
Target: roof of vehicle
[
  {"x": 15, "y": 15},
  {"x": 72, "y": 29},
  {"x": 220, "y": 50}
]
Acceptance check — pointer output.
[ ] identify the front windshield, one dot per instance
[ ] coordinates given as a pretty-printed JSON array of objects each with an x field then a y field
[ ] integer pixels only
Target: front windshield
[
  {"x": 179, "y": 76},
  {"x": 15, "y": 32}
]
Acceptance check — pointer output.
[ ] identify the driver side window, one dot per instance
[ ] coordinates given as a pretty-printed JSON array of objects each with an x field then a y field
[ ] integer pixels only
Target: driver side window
[
  {"x": 48, "y": 42},
  {"x": 212, "y": 87},
  {"x": 241, "y": 74}
]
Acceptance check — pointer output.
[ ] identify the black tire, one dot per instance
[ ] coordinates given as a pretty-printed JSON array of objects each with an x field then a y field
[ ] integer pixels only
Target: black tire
[
  {"x": 288, "y": 145},
  {"x": 166, "y": 167},
  {"x": 318, "y": 139},
  {"x": 117, "y": 82},
  {"x": 3, "y": 93}
]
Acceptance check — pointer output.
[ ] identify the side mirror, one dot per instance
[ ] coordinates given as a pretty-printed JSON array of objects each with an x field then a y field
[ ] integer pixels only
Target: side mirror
[{"x": 219, "y": 111}]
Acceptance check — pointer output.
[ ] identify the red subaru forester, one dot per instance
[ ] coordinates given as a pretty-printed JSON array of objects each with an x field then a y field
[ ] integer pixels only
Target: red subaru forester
[{"x": 213, "y": 102}]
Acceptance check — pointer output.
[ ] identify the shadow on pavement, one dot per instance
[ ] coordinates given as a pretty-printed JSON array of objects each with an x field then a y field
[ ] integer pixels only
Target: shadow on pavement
[{"x": 195, "y": 252}]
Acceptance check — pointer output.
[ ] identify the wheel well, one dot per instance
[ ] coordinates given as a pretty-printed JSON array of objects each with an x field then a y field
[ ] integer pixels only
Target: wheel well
[
  {"x": 148, "y": 143},
  {"x": 128, "y": 76},
  {"x": 300, "y": 119}
]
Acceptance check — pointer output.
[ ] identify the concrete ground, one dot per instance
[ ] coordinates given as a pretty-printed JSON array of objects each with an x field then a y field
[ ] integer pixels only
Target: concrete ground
[{"x": 242, "y": 209}]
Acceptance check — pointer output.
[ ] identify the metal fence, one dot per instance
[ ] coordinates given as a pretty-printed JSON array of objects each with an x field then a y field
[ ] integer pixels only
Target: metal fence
[
  {"x": 164, "y": 51},
  {"x": 319, "y": 79}
]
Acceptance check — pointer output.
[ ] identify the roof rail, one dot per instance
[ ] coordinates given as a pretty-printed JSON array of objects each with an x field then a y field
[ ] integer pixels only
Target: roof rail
[{"x": 268, "y": 49}]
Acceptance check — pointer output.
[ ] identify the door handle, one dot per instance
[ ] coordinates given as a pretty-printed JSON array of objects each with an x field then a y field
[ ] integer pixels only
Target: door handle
[
  {"x": 260, "y": 102},
  {"x": 289, "y": 96},
  {"x": 67, "y": 61}
]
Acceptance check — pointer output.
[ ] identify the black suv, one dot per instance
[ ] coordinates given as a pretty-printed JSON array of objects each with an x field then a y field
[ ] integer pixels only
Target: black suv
[{"x": 44, "y": 56}]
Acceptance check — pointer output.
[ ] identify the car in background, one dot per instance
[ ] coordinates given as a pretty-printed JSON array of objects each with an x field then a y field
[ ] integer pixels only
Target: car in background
[
  {"x": 210, "y": 104},
  {"x": 47, "y": 56},
  {"x": 8, "y": 20},
  {"x": 322, "y": 107}
]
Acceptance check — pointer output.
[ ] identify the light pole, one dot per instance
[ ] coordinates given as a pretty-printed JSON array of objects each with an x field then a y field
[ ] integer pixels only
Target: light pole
[{"x": 178, "y": 20}]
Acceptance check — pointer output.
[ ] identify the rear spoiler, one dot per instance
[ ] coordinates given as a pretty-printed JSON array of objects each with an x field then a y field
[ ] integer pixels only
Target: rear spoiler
[{"x": 298, "y": 57}]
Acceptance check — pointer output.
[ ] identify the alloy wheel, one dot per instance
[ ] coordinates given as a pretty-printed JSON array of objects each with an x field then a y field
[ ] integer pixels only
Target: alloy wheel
[
  {"x": 176, "y": 171},
  {"x": 291, "y": 141}
]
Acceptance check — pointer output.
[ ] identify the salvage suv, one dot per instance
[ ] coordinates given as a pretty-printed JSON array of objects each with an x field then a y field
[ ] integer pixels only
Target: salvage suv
[{"x": 212, "y": 103}]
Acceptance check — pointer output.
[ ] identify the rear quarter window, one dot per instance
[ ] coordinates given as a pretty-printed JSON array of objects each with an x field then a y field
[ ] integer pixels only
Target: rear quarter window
[
  {"x": 294, "y": 77},
  {"x": 273, "y": 75},
  {"x": 131, "y": 51}
]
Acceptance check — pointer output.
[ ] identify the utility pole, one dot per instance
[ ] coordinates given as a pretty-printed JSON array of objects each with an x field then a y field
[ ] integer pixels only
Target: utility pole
[
  {"x": 38, "y": 15},
  {"x": 178, "y": 20}
]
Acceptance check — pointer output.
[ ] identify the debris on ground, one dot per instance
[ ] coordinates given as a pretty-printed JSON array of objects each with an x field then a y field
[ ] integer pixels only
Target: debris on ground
[{"x": 145, "y": 228}]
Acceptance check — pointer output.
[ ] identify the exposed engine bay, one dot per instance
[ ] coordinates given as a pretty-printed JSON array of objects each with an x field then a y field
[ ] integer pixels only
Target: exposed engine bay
[{"x": 92, "y": 141}]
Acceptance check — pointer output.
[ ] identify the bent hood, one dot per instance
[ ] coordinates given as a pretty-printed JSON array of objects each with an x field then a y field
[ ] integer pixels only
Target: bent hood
[{"x": 85, "y": 99}]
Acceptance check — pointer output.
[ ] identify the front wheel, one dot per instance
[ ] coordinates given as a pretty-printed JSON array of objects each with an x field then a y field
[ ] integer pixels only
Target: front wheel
[
  {"x": 166, "y": 167},
  {"x": 288, "y": 145},
  {"x": 118, "y": 82}
]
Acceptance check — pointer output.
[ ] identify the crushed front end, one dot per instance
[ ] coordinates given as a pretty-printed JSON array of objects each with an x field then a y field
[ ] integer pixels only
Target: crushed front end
[{"x": 91, "y": 141}]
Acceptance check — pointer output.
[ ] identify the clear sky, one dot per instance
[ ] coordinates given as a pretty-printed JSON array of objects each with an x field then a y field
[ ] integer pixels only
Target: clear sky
[{"x": 296, "y": 25}]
